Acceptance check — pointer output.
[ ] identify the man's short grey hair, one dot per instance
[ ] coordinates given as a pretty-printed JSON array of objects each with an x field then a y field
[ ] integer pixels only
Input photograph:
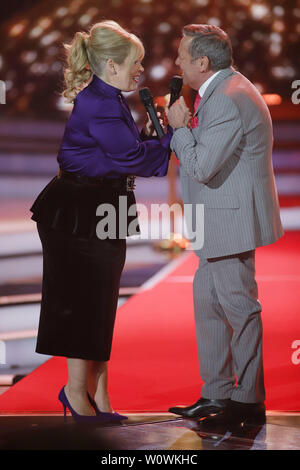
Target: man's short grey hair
[{"x": 212, "y": 42}]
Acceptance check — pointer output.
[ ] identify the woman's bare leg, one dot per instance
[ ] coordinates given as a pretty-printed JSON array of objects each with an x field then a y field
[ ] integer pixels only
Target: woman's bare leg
[
  {"x": 77, "y": 386},
  {"x": 98, "y": 385}
]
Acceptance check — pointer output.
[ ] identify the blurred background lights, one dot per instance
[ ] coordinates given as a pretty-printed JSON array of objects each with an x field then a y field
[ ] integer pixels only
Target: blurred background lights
[
  {"x": 50, "y": 38},
  {"x": 38, "y": 68},
  {"x": 201, "y": 3},
  {"x": 258, "y": 36},
  {"x": 52, "y": 51},
  {"x": 245, "y": 3},
  {"x": 283, "y": 71},
  {"x": 296, "y": 12},
  {"x": 264, "y": 34},
  {"x": 29, "y": 87},
  {"x": 259, "y": 11},
  {"x": 61, "y": 11},
  {"x": 18, "y": 29},
  {"x": 35, "y": 32},
  {"x": 164, "y": 27},
  {"x": 44, "y": 23},
  {"x": 275, "y": 49},
  {"x": 278, "y": 26},
  {"x": 275, "y": 37},
  {"x": 75, "y": 5},
  {"x": 93, "y": 12},
  {"x": 272, "y": 99},
  {"x": 29, "y": 56},
  {"x": 56, "y": 67},
  {"x": 278, "y": 10},
  {"x": 157, "y": 72},
  {"x": 214, "y": 21},
  {"x": 275, "y": 44},
  {"x": 84, "y": 19},
  {"x": 67, "y": 22}
]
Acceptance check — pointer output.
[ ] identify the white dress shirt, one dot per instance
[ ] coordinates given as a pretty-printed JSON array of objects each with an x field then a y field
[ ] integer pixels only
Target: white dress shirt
[{"x": 206, "y": 83}]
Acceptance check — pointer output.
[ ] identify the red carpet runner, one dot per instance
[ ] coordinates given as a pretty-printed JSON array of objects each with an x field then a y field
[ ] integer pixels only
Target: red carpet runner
[{"x": 154, "y": 359}]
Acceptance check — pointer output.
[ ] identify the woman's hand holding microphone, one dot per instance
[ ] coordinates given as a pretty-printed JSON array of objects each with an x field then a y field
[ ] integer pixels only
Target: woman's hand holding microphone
[{"x": 178, "y": 115}]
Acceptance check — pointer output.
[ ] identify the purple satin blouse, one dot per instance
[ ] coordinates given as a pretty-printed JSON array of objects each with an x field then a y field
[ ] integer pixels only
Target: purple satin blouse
[{"x": 102, "y": 139}]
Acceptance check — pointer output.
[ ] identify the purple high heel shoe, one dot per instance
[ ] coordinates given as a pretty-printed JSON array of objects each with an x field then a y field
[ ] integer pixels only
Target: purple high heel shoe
[
  {"x": 112, "y": 416},
  {"x": 77, "y": 417}
]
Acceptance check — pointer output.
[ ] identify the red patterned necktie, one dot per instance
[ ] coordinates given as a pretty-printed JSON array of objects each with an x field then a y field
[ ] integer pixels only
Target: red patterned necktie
[{"x": 194, "y": 120}]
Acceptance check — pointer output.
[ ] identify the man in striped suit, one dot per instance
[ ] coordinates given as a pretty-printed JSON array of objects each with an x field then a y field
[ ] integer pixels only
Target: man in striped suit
[{"x": 225, "y": 157}]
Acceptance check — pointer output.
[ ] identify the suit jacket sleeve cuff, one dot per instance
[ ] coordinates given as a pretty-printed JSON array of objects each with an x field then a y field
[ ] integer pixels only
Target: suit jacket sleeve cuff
[{"x": 181, "y": 137}]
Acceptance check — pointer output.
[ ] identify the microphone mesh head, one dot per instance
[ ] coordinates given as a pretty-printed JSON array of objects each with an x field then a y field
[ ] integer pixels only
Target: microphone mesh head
[
  {"x": 176, "y": 83},
  {"x": 145, "y": 95}
]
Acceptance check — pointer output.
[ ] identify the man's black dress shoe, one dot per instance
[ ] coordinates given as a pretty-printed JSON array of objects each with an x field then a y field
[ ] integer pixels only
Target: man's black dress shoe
[
  {"x": 202, "y": 408},
  {"x": 237, "y": 413}
]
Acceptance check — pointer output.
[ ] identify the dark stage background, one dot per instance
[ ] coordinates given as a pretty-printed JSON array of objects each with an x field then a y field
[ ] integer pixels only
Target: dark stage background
[{"x": 265, "y": 37}]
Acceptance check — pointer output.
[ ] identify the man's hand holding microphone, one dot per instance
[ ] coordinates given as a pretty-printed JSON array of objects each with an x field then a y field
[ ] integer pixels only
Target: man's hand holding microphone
[{"x": 178, "y": 114}]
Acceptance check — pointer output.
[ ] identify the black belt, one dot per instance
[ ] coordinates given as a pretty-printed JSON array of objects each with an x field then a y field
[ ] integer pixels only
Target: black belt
[{"x": 123, "y": 183}]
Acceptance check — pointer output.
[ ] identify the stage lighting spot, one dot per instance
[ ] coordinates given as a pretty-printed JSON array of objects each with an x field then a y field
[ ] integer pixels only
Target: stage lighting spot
[
  {"x": 18, "y": 29},
  {"x": 158, "y": 72},
  {"x": 259, "y": 11},
  {"x": 61, "y": 11}
]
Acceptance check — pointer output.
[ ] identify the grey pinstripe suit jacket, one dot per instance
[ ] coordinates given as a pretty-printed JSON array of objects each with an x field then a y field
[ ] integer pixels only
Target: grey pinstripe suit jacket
[{"x": 226, "y": 164}]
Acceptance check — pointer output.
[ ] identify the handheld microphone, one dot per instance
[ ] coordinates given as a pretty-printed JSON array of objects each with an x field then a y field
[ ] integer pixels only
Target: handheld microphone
[
  {"x": 147, "y": 100},
  {"x": 175, "y": 86}
]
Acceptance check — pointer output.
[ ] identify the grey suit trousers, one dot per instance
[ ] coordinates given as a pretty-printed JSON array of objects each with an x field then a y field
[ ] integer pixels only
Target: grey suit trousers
[{"x": 229, "y": 328}]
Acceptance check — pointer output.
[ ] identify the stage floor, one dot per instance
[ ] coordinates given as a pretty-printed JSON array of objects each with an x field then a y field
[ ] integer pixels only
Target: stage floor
[{"x": 159, "y": 432}]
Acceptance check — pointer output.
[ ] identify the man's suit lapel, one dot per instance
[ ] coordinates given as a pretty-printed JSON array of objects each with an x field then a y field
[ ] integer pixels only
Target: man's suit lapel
[{"x": 224, "y": 73}]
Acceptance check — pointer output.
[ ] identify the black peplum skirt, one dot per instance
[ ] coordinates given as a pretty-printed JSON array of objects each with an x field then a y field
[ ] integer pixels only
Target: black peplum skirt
[
  {"x": 70, "y": 207},
  {"x": 81, "y": 273}
]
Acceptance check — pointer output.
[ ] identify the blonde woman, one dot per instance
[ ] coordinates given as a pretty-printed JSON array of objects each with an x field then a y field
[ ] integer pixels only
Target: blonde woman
[{"x": 101, "y": 152}]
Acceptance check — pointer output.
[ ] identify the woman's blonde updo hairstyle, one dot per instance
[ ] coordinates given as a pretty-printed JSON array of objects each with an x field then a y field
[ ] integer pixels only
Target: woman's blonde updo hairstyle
[{"x": 88, "y": 53}]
